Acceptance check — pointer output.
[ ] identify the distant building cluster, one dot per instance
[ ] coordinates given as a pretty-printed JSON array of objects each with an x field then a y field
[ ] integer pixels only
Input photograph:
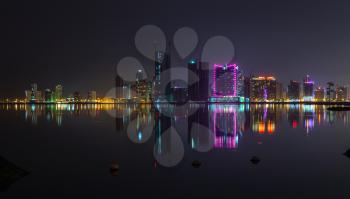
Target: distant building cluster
[{"x": 56, "y": 96}]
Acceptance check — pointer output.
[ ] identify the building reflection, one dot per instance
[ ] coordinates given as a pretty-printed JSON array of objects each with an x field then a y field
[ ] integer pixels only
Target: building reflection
[
  {"x": 264, "y": 118},
  {"x": 224, "y": 125},
  {"x": 201, "y": 126}
]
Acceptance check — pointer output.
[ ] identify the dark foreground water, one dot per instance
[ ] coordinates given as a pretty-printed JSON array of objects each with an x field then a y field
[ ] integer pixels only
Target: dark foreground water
[{"x": 74, "y": 151}]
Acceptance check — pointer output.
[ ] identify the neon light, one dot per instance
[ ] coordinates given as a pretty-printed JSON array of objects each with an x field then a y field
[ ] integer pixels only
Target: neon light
[{"x": 235, "y": 79}]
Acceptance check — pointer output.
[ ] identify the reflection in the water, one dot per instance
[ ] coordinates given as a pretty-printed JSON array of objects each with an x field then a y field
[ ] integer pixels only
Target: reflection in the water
[
  {"x": 217, "y": 125},
  {"x": 223, "y": 122}
]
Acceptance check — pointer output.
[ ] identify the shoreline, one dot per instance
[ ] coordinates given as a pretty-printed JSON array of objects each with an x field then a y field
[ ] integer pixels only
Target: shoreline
[{"x": 174, "y": 103}]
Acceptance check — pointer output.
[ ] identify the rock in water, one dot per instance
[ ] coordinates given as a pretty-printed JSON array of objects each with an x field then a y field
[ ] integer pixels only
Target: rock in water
[
  {"x": 9, "y": 173},
  {"x": 255, "y": 160},
  {"x": 347, "y": 153},
  {"x": 196, "y": 163},
  {"x": 114, "y": 168}
]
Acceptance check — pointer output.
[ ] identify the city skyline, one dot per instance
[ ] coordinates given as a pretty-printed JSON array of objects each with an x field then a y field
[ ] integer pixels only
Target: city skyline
[{"x": 217, "y": 83}]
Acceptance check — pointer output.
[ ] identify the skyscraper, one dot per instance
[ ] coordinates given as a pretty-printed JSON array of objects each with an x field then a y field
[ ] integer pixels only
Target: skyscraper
[
  {"x": 294, "y": 91},
  {"x": 34, "y": 89},
  {"x": 246, "y": 87},
  {"x": 308, "y": 89},
  {"x": 139, "y": 75},
  {"x": 48, "y": 96},
  {"x": 162, "y": 78},
  {"x": 198, "y": 91},
  {"x": 342, "y": 93},
  {"x": 59, "y": 92},
  {"x": 119, "y": 88},
  {"x": 279, "y": 91},
  {"x": 225, "y": 83}
]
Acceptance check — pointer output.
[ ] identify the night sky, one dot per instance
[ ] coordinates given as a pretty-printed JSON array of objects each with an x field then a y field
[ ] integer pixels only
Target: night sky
[{"x": 76, "y": 43}]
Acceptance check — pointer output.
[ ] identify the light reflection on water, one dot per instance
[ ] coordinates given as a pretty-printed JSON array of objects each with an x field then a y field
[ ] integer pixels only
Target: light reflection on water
[
  {"x": 225, "y": 124},
  {"x": 299, "y": 146}
]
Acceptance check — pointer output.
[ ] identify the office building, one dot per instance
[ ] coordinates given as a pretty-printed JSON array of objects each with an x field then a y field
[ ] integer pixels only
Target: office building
[
  {"x": 92, "y": 96},
  {"x": 199, "y": 84},
  {"x": 263, "y": 89},
  {"x": 226, "y": 80},
  {"x": 308, "y": 89},
  {"x": 49, "y": 97},
  {"x": 59, "y": 92},
  {"x": 341, "y": 94},
  {"x": 319, "y": 94},
  {"x": 294, "y": 90}
]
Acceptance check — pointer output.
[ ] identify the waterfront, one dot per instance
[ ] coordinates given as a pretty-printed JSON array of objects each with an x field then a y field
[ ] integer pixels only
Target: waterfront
[{"x": 69, "y": 150}]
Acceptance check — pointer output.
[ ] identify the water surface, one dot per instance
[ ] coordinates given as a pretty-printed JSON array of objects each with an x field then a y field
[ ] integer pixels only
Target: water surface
[{"x": 69, "y": 151}]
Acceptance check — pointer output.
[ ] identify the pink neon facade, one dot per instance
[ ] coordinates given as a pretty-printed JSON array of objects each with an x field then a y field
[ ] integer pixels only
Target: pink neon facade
[
  {"x": 220, "y": 72},
  {"x": 225, "y": 130}
]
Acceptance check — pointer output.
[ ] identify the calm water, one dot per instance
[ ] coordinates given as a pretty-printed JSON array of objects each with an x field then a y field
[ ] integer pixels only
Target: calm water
[{"x": 70, "y": 150}]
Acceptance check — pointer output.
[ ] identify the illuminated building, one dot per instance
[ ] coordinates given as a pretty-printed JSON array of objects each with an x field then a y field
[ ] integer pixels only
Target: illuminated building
[
  {"x": 76, "y": 97},
  {"x": 59, "y": 92},
  {"x": 49, "y": 95},
  {"x": 28, "y": 94},
  {"x": 294, "y": 91},
  {"x": 341, "y": 94},
  {"x": 198, "y": 90},
  {"x": 161, "y": 78},
  {"x": 139, "y": 75},
  {"x": 246, "y": 87},
  {"x": 263, "y": 89},
  {"x": 144, "y": 90},
  {"x": 319, "y": 94},
  {"x": 35, "y": 95},
  {"x": 226, "y": 80},
  {"x": 279, "y": 92},
  {"x": 92, "y": 96},
  {"x": 308, "y": 89}
]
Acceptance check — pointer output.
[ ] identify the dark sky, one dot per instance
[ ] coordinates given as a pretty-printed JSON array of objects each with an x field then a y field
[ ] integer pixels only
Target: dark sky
[{"x": 76, "y": 43}]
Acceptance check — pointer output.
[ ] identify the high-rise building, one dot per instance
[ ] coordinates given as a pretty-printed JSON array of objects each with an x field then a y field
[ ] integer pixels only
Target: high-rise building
[
  {"x": 28, "y": 94},
  {"x": 294, "y": 91},
  {"x": 279, "y": 92},
  {"x": 92, "y": 96},
  {"x": 58, "y": 92},
  {"x": 34, "y": 88},
  {"x": 162, "y": 78},
  {"x": 308, "y": 89},
  {"x": 320, "y": 94},
  {"x": 198, "y": 90},
  {"x": 226, "y": 80},
  {"x": 38, "y": 96},
  {"x": 48, "y": 95},
  {"x": 246, "y": 87},
  {"x": 119, "y": 85},
  {"x": 263, "y": 89},
  {"x": 341, "y": 93},
  {"x": 144, "y": 90},
  {"x": 139, "y": 75}
]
